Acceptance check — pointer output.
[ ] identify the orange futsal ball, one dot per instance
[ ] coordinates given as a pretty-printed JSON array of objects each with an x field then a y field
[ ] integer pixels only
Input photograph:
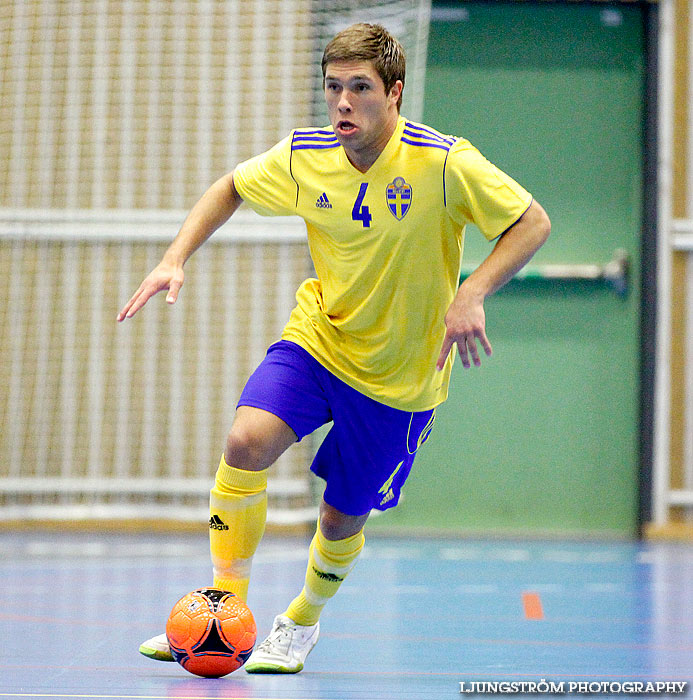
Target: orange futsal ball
[{"x": 211, "y": 632}]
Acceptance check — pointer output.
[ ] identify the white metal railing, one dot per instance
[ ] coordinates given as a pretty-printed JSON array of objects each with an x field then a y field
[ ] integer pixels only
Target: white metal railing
[
  {"x": 614, "y": 274},
  {"x": 142, "y": 225}
]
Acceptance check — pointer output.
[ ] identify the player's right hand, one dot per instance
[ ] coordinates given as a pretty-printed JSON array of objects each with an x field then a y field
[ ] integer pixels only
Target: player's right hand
[{"x": 163, "y": 276}]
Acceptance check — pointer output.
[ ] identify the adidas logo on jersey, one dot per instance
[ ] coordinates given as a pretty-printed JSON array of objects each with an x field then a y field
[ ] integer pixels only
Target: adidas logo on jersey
[{"x": 323, "y": 202}]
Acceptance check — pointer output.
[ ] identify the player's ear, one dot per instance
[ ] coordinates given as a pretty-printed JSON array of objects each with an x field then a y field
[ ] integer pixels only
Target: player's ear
[{"x": 396, "y": 91}]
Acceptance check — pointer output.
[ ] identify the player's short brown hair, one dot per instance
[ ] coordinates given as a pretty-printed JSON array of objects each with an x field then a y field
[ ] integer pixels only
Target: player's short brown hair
[{"x": 369, "y": 42}]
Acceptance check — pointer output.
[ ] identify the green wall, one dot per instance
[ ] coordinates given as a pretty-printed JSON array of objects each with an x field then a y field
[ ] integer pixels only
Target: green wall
[{"x": 544, "y": 437}]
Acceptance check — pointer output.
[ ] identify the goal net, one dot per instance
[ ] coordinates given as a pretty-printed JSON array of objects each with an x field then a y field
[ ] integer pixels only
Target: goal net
[{"x": 114, "y": 118}]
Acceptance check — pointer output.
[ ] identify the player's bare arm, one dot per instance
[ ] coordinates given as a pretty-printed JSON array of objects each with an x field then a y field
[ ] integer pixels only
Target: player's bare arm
[
  {"x": 213, "y": 209},
  {"x": 465, "y": 321}
]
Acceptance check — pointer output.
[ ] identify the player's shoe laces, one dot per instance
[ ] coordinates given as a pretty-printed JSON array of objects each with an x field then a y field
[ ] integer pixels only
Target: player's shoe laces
[
  {"x": 157, "y": 648},
  {"x": 285, "y": 649}
]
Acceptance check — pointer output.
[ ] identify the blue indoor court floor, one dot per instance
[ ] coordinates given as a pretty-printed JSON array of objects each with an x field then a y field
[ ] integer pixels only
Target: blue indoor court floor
[{"x": 415, "y": 619}]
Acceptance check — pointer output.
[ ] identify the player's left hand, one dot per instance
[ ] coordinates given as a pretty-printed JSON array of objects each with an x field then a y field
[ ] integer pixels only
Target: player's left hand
[{"x": 465, "y": 323}]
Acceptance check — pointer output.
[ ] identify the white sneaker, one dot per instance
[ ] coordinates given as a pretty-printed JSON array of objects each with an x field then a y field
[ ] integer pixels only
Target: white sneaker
[
  {"x": 157, "y": 648},
  {"x": 285, "y": 648}
]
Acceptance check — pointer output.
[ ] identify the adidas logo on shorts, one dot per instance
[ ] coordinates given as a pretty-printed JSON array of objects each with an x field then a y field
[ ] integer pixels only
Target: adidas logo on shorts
[
  {"x": 323, "y": 202},
  {"x": 387, "y": 498}
]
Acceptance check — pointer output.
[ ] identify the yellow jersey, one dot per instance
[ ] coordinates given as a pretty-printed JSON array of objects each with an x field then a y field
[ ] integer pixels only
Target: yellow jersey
[{"x": 386, "y": 245}]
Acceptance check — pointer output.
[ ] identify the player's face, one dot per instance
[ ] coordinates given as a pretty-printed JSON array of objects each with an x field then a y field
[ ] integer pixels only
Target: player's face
[{"x": 362, "y": 114}]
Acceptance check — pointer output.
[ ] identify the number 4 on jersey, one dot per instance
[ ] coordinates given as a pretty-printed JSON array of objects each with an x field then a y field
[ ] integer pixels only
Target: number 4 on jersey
[{"x": 359, "y": 212}]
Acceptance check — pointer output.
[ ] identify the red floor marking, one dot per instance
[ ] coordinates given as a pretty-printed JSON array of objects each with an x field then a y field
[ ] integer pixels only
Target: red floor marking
[{"x": 532, "y": 605}]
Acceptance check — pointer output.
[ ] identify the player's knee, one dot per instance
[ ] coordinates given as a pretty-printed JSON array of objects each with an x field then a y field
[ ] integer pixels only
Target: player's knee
[
  {"x": 245, "y": 449},
  {"x": 336, "y": 525},
  {"x": 331, "y": 526}
]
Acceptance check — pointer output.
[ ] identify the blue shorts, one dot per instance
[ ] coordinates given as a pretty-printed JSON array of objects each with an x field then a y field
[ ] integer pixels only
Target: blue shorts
[{"x": 368, "y": 453}]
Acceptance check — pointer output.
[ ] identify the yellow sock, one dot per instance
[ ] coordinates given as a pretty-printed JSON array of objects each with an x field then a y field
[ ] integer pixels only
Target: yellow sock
[
  {"x": 329, "y": 562},
  {"x": 238, "y": 510}
]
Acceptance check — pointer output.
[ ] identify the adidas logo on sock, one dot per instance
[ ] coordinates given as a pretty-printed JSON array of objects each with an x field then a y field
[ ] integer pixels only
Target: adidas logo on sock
[
  {"x": 216, "y": 523},
  {"x": 327, "y": 576},
  {"x": 323, "y": 202}
]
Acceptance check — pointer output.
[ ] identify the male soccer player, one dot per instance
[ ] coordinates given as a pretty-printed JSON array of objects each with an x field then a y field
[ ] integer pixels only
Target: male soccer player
[{"x": 368, "y": 344}]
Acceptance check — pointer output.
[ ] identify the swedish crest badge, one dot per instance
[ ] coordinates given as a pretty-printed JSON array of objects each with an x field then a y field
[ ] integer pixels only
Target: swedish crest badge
[{"x": 398, "y": 194}]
